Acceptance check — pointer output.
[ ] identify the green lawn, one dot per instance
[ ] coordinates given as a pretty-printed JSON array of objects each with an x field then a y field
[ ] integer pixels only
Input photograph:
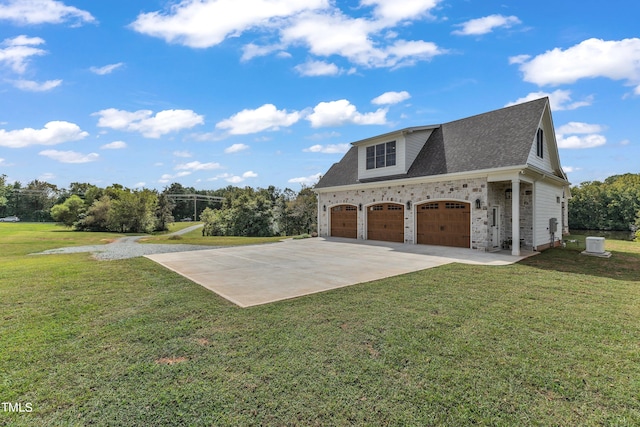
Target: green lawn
[
  {"x": 553, "y": 340},
  {"x": 195, "y": 237}
]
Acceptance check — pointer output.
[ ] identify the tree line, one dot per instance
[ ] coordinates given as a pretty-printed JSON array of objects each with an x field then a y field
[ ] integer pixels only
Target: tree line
[
  {"x": 613, "y": 204},
  {"x": 610, "y": 205},
  {"x": 84, "y": 206}
]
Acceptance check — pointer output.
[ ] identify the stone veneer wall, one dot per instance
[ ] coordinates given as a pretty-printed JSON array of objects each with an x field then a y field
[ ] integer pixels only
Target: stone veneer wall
[{"x": 468, "y": 190}]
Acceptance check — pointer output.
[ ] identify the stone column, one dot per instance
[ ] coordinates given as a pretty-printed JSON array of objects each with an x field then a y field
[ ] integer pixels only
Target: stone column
[{"x": 515, "y": 216}]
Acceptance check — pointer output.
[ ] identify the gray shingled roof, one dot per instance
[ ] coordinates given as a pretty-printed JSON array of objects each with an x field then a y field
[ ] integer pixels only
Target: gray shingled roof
[{"x": 495, "y": 139}]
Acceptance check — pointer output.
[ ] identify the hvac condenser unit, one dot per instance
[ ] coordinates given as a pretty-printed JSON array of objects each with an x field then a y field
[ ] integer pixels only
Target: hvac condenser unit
[{"x": 595, "y": 245}]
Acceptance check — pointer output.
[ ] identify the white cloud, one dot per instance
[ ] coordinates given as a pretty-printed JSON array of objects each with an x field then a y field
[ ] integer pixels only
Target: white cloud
[
  {"x": 115, "y": 145},
  {"x": 574, "y": 141},
  {"x": 146, "y": 123},
  {"x": 252, "y": 50},
  {"x": 31, "y": 86},
  {"x": 328, "y": 149},
  {"x": 559, "y": 100},
  {"x": 46, "y": 176},
  {"x": 306, "y": 180},
  {"x": 579, "y": 128},
  {"x": 341, "y": 112},
  {"x": 107, "y": 69},
  {"x": 317, "y": 68},
  {"x": 267, "y": 117},
  {"x": 580, "y": 135},
  {"x": 323, "y": 135},
  {"x": 197, "y": 166},
  {"x": 569, "y": 169},
  {"x": 70, "y": 156},
  {"x": 30, "y": 12},
  {"x": 234, "y": 179},
  {"x": 183, "y": 154},
  {"x": 320, "y": 25},
  {"x": 487, "y": 24},
  {"x": 616, "y": 60},
  {"x": 18, "y": 50},
  {"x": 206, "y": 23},
  {"x": 353, "y": 38},
  {"x": 55, "y": 132},
  {"x": 389, "y": 98},
  {"x": 165, "y": 178},
  {"x": 394, "y": 11},
  {"x": 236, "y": 148}
]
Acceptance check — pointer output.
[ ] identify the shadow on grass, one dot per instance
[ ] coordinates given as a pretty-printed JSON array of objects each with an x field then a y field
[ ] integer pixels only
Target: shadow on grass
[{"x": 623, "y": 265}]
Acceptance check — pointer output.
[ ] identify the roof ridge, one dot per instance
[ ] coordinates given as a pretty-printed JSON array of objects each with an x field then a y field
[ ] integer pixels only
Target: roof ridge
[{"x": 514, "y": 106}]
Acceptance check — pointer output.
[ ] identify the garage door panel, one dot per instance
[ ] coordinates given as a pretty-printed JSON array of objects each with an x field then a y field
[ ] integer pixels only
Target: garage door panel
[
  {"x": 444, "y": 223},
  {"x": 385, "y": 222},
  {"x": 344, "y": 221}
]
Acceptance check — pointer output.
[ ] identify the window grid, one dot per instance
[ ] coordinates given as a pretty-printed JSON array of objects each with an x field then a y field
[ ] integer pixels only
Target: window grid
[{"x": 381, "y": 155}]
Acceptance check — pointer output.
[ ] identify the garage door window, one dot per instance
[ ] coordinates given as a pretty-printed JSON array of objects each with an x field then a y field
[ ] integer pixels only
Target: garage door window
[
  {"x": 450, "y": 205},
  {"x": 429, "y": 206}
]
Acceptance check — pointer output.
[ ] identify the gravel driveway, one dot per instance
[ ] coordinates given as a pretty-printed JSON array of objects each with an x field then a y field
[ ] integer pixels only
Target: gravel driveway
[{"x": 128, "y": 247}]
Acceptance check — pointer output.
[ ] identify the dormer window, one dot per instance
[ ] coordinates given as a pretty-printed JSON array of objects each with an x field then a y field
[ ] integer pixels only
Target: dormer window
[
  {"x": 381, "y": 155},
  {"x": 540, "y": 143}
]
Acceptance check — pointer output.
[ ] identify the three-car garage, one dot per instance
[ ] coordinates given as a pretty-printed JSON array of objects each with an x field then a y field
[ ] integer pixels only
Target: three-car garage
[{"x": 442, "y": 223}]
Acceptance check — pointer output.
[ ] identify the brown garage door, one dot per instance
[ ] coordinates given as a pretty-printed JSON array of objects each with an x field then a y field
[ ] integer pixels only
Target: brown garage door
[
  {"x": 385, "y": 222},
  {"x": 344, "y": 221},
  {"x": 444, "y": 224}
]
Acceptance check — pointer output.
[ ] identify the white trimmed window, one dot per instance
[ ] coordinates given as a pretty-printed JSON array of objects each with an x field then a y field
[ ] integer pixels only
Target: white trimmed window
[{"x": 381, "y": 155}]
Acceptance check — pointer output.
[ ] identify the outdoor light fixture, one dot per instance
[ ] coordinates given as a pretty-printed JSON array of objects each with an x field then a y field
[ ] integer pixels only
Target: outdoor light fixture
[
  {"x": 507, "y": 193},
  {"x": 324, "y": 208},
  {"x": 478, "y": 203},
  {"x": 408, "y": 205},
  {"x": 360, "y": 207}
]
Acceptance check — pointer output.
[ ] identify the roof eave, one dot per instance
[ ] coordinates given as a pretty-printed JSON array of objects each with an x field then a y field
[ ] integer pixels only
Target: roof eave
[{"x": 400, "y": 132}]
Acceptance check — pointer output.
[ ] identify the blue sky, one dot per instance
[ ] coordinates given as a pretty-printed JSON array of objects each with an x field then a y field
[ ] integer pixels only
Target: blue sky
[{"x": 210, "y": 93}]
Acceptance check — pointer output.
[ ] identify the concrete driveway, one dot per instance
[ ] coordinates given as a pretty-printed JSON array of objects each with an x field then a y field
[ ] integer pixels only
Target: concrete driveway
[{"x": 260, "y": 274}]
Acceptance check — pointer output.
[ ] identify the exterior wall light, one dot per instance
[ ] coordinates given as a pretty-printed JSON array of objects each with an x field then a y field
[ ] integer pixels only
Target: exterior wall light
[
  {"x": 507, "y": 193},
  {"x": 324, "y": 208},
  {"x": 478, "y": 203},
  {"x": 408, "y": 205},
  {"x": 360, "y": 207}
]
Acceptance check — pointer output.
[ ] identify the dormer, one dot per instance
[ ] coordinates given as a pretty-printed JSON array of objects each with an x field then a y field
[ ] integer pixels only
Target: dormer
[{"x": 392, "y": 153}]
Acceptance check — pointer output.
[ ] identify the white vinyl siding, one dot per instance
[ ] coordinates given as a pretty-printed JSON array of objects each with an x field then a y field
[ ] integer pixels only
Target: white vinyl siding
[
  {"x": 415, "y": 141},
  {"x": 546, "y": 206},
  {"x": 407, "y": 148},
  {"x": 543, "y": 162},
  {"x": 376, "y": 171}
]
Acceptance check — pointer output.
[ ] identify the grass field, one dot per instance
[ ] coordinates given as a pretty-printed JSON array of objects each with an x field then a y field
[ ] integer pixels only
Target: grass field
[
  {"x": 195, "y": 237},
  {"x": 553, "y": 340}
]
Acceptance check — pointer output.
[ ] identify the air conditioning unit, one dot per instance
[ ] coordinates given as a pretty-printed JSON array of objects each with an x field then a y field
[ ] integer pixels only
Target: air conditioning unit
[{"x": 595, "y": 245}]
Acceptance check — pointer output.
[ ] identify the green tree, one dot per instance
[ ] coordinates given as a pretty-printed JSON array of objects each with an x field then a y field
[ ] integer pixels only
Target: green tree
[
  {"x": 213, "y": 223},
  {"x": 610, "y": 205},
  {"x": 4, "y": 193},
  {"x": 303, "y": 211},
  {"x": 68, "y": 212},
  {"x": 164, "y": 211},
  {"x": 134, "y": 212},
  {"x": 97, "y": 217}
]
